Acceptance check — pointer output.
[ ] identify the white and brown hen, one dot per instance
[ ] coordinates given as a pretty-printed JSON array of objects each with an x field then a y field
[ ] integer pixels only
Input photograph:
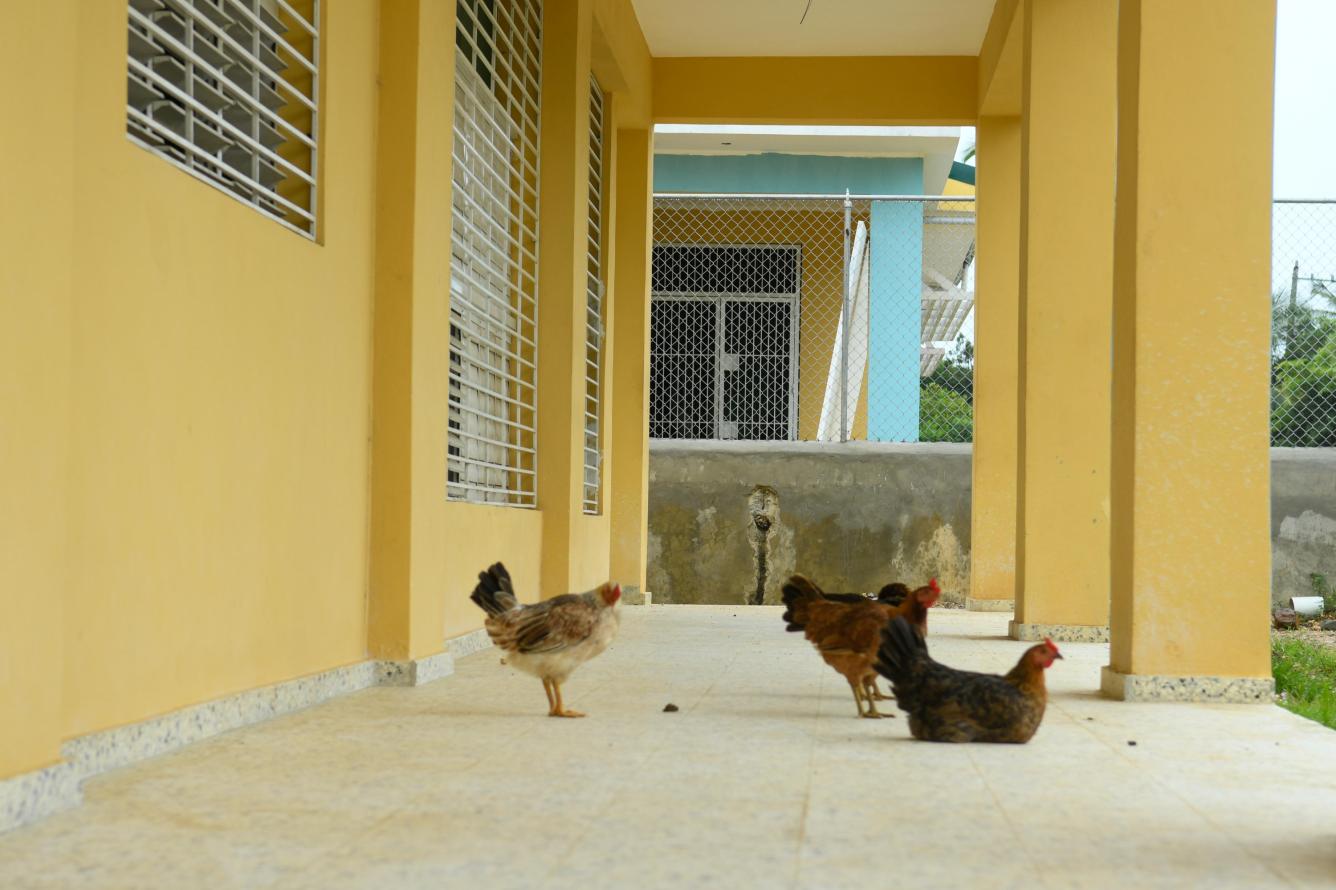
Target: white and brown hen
[{"x": 548, "y": 639}]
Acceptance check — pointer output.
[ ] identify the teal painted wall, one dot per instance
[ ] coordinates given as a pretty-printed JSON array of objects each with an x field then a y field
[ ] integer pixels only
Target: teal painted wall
[
  {"x": 895, "y": 267},
  {"x": 896, "y": 261},
  {"x": 788, "y": 174}
]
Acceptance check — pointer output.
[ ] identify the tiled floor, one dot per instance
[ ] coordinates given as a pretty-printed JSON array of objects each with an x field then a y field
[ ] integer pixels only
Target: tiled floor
[{"x": 764, "y": 779}]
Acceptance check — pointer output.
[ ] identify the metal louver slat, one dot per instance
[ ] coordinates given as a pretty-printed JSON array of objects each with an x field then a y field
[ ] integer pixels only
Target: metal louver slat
[
  {"x": 592, "y": 498},
  {"x": 494, "y": 254},
  {"x": 206, "y": 90}
]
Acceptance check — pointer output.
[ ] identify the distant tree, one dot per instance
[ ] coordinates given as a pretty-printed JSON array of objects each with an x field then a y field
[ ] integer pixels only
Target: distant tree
[
  {"x": 1303, "y": 374},
  {"x": 946, "y": 397},
  {"x": 944, "y": 416}
]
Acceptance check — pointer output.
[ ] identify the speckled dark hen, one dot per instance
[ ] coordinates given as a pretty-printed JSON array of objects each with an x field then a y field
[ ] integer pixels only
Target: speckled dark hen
[{"x": 948, "y": 705}]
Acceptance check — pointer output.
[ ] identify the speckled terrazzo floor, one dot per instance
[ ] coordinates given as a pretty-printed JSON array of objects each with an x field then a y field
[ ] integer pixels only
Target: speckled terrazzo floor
[{"x": 763, "y": 779}]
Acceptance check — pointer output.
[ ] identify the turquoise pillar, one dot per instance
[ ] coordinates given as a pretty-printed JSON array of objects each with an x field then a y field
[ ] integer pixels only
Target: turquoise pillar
[{"x": 895, "y": 291}]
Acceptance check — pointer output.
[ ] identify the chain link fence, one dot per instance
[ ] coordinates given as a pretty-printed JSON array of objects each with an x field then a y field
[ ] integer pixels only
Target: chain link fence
[
  {"x": 812, "y": 317},
  {"x": 1303, "y": 324}
]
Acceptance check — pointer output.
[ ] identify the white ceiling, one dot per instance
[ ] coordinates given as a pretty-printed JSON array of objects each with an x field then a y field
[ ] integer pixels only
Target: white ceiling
[{"x": 832, "y": 28}]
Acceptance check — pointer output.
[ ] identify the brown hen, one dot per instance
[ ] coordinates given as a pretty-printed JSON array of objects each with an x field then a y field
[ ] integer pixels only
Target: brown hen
[
  {"x": 947, "y": 705},
  {"x": 846, "y": 635}
]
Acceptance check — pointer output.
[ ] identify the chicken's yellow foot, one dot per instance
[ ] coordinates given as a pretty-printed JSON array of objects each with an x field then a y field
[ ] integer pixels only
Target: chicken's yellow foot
[
  {"x": 558, "y": 710},
  {"x": 858, "y": 697}
]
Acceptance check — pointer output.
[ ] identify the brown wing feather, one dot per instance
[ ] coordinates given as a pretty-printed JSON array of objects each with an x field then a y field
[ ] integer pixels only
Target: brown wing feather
[
  {"x": 548, "y": 626},
  {"x": 846, "y": 635}
]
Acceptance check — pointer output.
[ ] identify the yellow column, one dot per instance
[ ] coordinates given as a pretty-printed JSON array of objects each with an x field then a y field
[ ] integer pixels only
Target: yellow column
[
  {"x": 412, "y": 334},
  {"x": 1067, "y": 155},
  {"x": 562, "y": 265},
  {"x": 628, "y": 498},
  {"x": 1191, "y": 484},
  {"x": 996, "y": 321},
  {"x": 36, "y": 295}
]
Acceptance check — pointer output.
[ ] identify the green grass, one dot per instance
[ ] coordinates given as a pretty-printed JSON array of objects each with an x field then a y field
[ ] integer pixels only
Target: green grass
[{"x": 1305, "y": 678}]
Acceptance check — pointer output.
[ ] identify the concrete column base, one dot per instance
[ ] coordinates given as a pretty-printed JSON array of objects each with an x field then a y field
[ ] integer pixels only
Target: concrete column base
[
  {"x": 1062, "y": 633},
  {"x": 989, "y": 605},
  {"x": 1224, "y": 690},
  {"x": 416, "y": 671},
  {"x": 632, "y": 595}
]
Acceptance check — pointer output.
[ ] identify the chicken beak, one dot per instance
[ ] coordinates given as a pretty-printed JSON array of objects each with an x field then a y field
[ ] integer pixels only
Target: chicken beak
[{"x": 1057, "y": 655}]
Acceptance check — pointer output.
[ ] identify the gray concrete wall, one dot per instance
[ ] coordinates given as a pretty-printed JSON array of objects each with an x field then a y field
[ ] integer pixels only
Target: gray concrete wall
[
  {"x": 729, "y": 519},
  {"x": 1303, "y": 521}
]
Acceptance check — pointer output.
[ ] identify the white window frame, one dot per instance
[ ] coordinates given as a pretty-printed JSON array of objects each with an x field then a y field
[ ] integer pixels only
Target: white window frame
[
  {"x": 592, "y": 497},
  {"x": 492, "y": 435},
  {"x": 207, "y": 85}
]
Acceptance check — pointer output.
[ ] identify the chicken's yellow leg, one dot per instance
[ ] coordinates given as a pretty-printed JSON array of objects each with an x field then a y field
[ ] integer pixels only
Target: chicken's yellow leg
[
  {"x": 551, "y": 702},
  {"x": 858, "y": 697},
  {"x": 559, "y": 710},
  {"x": 873, "y": 693}
]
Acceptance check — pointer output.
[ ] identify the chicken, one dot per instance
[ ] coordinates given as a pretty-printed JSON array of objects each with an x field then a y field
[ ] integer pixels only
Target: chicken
[
  {"x": 846, "y": 635},
  {"x": 549, "y": 639},
  {"x": 891, "y": 595},
  {"x": 947, "y": 705}
]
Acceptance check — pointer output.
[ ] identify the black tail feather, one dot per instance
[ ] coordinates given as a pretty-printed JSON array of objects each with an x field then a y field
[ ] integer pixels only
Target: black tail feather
[
  {"x": 850, "y": 598},
  {"x": 893, "y": 594},
  {"x": 901, "y": 648},
  {"x": 494, "y": 593}
]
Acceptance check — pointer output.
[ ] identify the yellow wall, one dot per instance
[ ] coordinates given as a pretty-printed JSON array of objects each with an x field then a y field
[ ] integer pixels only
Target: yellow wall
[
  {"x": 36, "y": 279},
  {"x": 627, "y": 499},
  {"x": 189, "y": 478},
  {"x": 999, "y": 83},
  {"x": 1067, "y": 161},
  {"x": 427, "y": 551},
  {"x": 996, "y": 322},
  {"x": 922, "y": 90},
  {"x": 220, "y": 386}
]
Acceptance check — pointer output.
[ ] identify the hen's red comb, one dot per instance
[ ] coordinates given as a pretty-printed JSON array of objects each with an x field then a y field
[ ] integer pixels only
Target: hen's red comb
[
  {"x": 932, "y": 583},
  {"x": 1049, "y": 643}
]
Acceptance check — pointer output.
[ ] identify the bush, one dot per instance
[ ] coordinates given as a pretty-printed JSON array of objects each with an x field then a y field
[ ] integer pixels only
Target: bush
[
  {"x": 1305, "y": 675},
  {"x": 944, "y": 415}
]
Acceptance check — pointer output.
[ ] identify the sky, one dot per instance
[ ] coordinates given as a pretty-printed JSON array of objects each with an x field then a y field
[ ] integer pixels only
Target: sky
[
  {"x": 1305, "y": 153},
  {"x": 1305, "y": 143}
]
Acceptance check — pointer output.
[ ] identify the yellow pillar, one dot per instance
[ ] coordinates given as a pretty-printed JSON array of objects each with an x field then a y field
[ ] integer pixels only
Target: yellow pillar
[
  {"x": 996, "y": 320},
  {"x": 1067, "y": 154},
  {"x": 36, "y": 296},
  {"x": 562, "y": 266},
  {"x": 412, "y": 334},
  {"x": 1191, "y": 483},
  {"x": 629, "y": 401}
]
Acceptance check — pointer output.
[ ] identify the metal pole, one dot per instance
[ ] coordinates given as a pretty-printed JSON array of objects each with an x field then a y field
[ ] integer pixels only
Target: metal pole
[
  {"x": 1294, "y": 305},
  {"x": 844, "y": 326}
]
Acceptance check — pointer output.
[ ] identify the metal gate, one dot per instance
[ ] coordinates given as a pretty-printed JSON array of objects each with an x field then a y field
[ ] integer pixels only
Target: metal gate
[{"x": 724, "y": 341}]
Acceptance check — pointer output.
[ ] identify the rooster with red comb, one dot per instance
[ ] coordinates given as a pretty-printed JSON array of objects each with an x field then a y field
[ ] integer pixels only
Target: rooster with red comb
[{"x": 548, "y": 639}]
